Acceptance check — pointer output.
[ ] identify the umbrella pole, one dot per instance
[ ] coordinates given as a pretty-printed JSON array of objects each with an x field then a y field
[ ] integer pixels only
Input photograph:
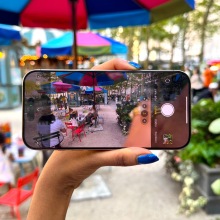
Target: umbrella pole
[
  {"x": 93, "y": 92},
  {"x": 74, "y": 27}
]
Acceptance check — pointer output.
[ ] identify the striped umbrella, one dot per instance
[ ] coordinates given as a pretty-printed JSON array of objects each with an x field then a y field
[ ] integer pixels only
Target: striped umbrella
[
  {"x": 88, "y": 43},
  {"x": 36, "y": 35}
]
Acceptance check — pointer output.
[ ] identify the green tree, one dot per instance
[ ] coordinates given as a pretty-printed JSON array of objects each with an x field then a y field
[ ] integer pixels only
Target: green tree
[{"x": 205, "y": 20}]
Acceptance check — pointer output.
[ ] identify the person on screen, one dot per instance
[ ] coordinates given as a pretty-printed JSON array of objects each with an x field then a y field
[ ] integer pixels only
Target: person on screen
[
  {"x": 93, "y": 114},
  {"x": 73, "y": 113},
  {"x": 66, "y": 170},
  {"x": 48, "y": 124}
]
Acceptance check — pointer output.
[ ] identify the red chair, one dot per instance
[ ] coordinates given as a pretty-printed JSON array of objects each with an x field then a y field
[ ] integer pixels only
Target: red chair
[
  {"x": 78, "y": 131},
  {"x": 69, "y": 126},
  {"x": 16, "y": 196},
  {"x": 2, "y": 184}
]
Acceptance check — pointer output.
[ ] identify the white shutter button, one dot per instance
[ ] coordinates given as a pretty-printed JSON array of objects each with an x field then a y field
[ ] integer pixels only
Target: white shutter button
[{"x": 167, "y": 109}]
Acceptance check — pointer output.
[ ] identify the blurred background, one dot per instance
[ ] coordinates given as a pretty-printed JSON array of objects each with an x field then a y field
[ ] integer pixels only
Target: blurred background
[{"x": 159, "y": 35}]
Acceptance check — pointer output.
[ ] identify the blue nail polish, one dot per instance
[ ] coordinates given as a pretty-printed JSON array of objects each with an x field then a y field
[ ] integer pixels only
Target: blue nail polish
[
  {"x": 147, "y": 158},
  {"x": 135, "y": 65}
]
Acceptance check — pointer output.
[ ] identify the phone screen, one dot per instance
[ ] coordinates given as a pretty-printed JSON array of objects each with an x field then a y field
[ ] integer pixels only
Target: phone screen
[{"x": 84, "y": 109}]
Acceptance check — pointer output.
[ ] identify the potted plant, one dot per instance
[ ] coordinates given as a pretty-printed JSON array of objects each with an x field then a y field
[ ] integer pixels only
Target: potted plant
[
  {"x": 204, "y": 151},
  {"x": 123, "y": 117}
]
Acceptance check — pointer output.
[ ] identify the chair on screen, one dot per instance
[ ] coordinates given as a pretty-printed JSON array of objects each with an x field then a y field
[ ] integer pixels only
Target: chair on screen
[
  {"x": 70, "y": 127},
  {"x": 78, "y": 130}
]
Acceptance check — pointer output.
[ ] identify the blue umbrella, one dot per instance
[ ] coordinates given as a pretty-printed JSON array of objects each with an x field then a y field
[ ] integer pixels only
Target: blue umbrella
[
  {"x": 9, "y": 33},
  {"x": 88, "y": 43}
]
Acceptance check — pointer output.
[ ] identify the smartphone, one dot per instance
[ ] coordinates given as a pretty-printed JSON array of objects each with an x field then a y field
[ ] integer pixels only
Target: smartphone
[{"x": 92, "y": 109}]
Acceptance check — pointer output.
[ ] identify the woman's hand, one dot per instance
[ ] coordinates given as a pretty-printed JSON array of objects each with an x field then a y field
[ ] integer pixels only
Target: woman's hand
[{"x": 66, "y": 169}]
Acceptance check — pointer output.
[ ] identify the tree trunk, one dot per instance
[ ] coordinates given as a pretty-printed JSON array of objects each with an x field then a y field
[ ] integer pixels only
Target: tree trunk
[
  {"x": 203, "y": 29},
  {"x": 173, "y": 44},
  {"x": 183, "y": 42}
]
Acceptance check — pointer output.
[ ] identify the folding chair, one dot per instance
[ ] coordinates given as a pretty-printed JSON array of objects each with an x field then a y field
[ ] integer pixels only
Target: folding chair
[
  {"x": 39, "y": 140},
  {"x": 78, "y": 130},
  {"x": 69, "y": 126},
  {"x": 16, "y": 196}
]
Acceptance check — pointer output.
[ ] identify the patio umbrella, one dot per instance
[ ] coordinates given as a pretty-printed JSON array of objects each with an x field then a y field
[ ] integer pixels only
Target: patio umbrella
[
  {"x": 92, "y": 78},
  {"x": 8, "y": 33},
  {"x": 90, "y": 90},
  {"x": 35, "y": 35},
  {"x": 49, "y": 88},
  {"x": 88, "y": 43},
  {"x": 81, "y": 14},
  {"x": 61, "y": 87}
]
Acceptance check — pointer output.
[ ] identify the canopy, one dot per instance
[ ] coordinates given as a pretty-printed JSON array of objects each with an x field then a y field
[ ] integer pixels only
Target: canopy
[
  {"x": 97, "y": 89},
  {"x": 88, "y": 43},
  {"x": 90, "y": 13},
  {"x": 92, "y": 78},
  {"x": 58, "y": 87},
  {"x": 82, "y": 14},
  {"x": 90, "y": 90},
  {"x": 9, "y": 33}
]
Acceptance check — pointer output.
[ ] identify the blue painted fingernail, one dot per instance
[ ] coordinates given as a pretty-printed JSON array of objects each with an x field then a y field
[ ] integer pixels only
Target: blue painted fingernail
[
  {"x": 135, "y": 65},
  {"x": 147, "y": 158}
]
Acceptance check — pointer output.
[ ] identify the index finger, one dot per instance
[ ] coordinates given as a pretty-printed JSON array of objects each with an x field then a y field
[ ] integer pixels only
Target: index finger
[{"x": 117, "y": 64}]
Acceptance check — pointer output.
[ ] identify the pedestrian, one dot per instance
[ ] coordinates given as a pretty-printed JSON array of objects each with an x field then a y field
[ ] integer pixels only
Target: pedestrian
[
  {"x": 211, "y": 93},
  {"x": 187, "y": 71},
  {"x": 6, "y": 169},
  {"x": 196, "y": 82},
  {"x": 208, "y": 76},
  {"x": 66, "y": 170}
]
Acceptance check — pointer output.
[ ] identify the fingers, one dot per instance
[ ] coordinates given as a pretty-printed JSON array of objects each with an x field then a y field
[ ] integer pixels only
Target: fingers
[
  {"x": 117, "y": 64},
  {"x": 124, "y": 157}
]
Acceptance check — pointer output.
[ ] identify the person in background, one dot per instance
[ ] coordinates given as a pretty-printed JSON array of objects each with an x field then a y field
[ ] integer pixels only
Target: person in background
[
  {"x": 73, "y": 113},
  {"x": 187, "y": 71},
  {"x": 196, "y": 82},
  {"x": 93, "y": 114},
  {"x": 208, "y": 76},
  {"x": 6, "y": 170},
  {"x": 211, "y": 93},
  {"x": 73, "y": 120}
]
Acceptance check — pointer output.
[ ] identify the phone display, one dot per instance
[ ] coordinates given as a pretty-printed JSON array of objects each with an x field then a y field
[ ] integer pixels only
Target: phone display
[{"x": 92, "y": 109}]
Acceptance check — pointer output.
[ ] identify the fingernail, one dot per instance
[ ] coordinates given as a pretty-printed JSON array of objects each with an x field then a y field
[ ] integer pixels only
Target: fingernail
[
  {"x": 147, "y": 158},
  {"x": 135, "y": 65}
]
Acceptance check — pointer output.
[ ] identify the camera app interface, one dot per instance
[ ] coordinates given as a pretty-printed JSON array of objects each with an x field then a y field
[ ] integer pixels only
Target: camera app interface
[{"x": 106, "y": 109}]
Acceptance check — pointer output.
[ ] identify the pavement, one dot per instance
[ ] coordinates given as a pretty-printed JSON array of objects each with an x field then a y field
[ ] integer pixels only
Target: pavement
[{"x": 125, "y": 193}]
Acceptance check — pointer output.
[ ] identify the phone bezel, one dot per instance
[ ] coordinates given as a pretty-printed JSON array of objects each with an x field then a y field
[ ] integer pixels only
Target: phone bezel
[{"x": 91, "y": 70}]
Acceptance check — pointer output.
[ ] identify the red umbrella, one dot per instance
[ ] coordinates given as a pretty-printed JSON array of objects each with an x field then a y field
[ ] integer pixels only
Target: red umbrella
[{"x": 61, "y": 87}]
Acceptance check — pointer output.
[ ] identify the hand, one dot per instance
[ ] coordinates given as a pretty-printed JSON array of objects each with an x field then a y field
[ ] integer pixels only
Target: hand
[{"x": 65, "y": 170}]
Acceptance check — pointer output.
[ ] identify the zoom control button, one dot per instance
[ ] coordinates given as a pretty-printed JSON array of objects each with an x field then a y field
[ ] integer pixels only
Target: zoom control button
[
  {"x": 144, "y": 113},
  {"x": 167, "y": 81},
  {"x": 144, "y": 120}
]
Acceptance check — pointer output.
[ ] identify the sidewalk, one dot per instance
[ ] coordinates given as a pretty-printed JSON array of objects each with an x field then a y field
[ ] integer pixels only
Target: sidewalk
[{"x": 133, "y": 193}]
